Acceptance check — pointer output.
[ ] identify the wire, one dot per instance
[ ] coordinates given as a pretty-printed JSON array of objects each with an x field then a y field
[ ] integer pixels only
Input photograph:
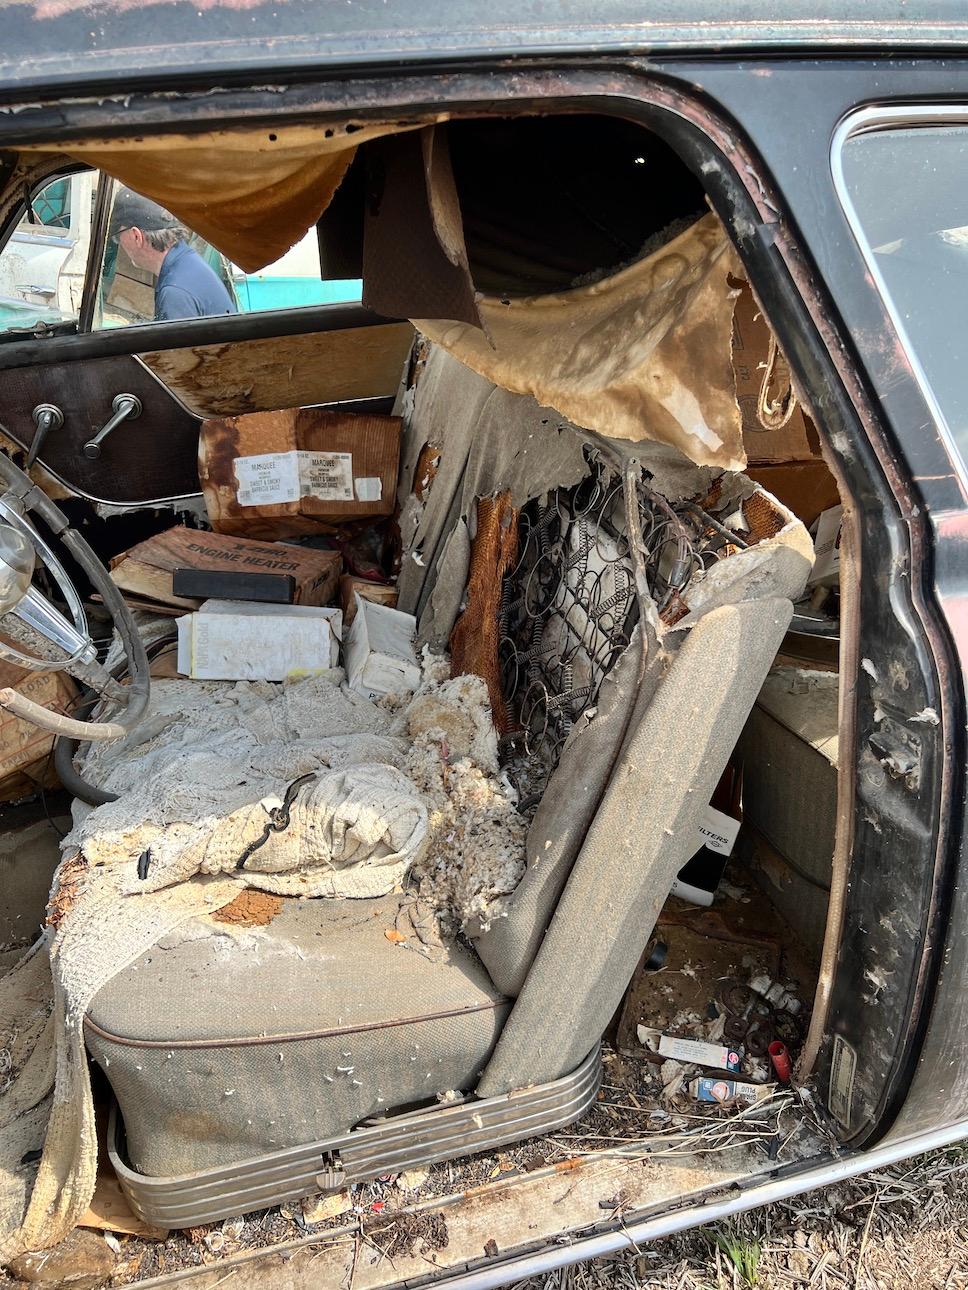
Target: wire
[{"x": 593, "y": 560}]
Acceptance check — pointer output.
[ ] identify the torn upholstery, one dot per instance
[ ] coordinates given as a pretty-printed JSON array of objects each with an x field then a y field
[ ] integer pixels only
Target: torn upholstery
[
  {"x": 251, "y": 193},
  {"x": 641, "y": 355}
]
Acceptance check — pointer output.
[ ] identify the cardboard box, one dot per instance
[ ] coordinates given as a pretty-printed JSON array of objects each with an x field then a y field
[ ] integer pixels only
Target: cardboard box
[
  {"x": 25, "y": 749},
  {"x": 807, "y": 488},
  {"x": 792, "y": 737},
  {"x": 379, "y": 593},
  {"x": 378, "y": 651},
  {"x": 228, "y": 640},
  {"x": 699, "y": 1052},
  {"x": 728, "y": 1090},
  {"x": 279, "y": 474},
  {"x": 699, "y": 877},
  {"x": 146, "y": 570},
  {"x": 797, "y": 440}
]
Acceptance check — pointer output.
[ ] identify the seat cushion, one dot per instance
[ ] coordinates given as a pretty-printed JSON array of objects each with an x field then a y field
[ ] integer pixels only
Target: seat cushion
[{"x": 226, "y": 1041}]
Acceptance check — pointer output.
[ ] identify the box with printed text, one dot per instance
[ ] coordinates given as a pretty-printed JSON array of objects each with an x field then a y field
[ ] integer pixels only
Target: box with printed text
[{"x": 285, "y": 473}]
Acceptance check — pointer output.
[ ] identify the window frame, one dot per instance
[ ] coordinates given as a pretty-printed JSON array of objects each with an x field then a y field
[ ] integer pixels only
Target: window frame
[{"x": 43, "y": 342}]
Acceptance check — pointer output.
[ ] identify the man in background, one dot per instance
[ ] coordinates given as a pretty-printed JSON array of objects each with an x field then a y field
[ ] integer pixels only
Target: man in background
[{"x": 152, "y": 238}]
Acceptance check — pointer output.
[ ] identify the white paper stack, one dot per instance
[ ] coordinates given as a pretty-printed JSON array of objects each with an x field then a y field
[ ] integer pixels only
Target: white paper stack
[
  {"x": 378, "y": 650},
  {"x": 234, "y": 640},
  {"x": 826, "y": 547}
]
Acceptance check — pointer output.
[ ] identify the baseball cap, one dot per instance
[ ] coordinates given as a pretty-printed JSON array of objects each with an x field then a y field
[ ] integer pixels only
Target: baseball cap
[{"x": 131, "y": 210}]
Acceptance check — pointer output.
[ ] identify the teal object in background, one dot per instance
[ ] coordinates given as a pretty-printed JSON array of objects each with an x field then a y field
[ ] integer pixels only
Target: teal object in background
[
  {"x": 256, "y": 293},
  {"x": 19, "y": 313}
]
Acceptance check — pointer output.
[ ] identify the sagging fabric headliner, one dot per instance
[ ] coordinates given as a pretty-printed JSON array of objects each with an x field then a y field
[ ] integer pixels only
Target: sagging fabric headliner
[
  {"x": 251, "y": 193},
  {"x": 643, "y": 354}
]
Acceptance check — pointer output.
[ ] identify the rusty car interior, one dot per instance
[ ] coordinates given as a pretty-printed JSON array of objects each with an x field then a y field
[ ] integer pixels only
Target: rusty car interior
[{"x": 520, "y": 907}]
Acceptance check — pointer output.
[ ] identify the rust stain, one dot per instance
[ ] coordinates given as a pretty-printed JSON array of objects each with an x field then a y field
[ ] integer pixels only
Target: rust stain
[
  {"x": 229, "y": 379},
  {"x": 764, "y": 519},
  {"x": 218, "y": 449},
  {"x": 428, "y": 464},
  {"x": 44, "y": 480},
  {"x": 474, "y": 640},
  {"x": 70, "y": 882},
  {"x": 250, "y": 908}
]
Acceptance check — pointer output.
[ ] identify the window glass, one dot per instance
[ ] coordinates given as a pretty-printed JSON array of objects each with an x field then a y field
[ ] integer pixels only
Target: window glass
[
  {"x": 154, "y": 273},
  {"x": 42, "y": 265},
  {"x": 909, "y": 189},
  {"x": 156, "y": 270}
]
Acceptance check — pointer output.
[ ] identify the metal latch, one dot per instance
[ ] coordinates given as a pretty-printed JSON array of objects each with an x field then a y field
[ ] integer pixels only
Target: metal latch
[{"x": 333, "y": 1176}]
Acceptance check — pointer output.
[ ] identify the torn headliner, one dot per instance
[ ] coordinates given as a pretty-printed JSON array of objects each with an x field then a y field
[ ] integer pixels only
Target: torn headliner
[
  {"x": 642, "y": 354},
  {"x": 251, "y": 193}
]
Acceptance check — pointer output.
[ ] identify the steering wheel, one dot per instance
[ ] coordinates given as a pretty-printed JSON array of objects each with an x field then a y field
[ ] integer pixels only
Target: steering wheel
[{"x": 51, "y": 642}]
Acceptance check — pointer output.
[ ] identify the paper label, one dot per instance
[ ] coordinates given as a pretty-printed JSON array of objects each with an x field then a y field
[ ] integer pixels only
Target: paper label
[
  {"x": 826, "y": 547},
  {"x": 369, "y": 488},
  {"x": 842, "y": 1068},
  {"x": 270, "y": 478},
  {"x": 699, "y": 1052},
  {"x": 228, "y": 642},
  {"x": 326, "y": 475},
  {"x": 724, "y": 1090},
  {"x": 717, "y": 831}
]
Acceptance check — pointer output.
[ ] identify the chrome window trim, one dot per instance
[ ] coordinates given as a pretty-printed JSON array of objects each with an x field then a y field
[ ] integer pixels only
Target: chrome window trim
[{"x": 874, "y": 120}]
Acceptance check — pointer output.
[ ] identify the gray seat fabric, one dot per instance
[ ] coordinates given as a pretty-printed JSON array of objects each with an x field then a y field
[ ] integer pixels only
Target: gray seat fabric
[
  {"x": 490, "y": 440},
  {"x": 225, "y": 1042},
  {"x": 511, "y": 941},
  {"x": 641, "y": 836}
]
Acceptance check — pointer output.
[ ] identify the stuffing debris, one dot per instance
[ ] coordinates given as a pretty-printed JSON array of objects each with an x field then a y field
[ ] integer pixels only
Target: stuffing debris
[
  {"x": 297, "y": 788},
  {"x": 307, "y": 788},
  {"x": 476, "y": 849}
]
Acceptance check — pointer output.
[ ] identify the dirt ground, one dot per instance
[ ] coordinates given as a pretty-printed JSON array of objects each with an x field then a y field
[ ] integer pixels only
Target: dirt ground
[{"x": 906, "y": 1226}]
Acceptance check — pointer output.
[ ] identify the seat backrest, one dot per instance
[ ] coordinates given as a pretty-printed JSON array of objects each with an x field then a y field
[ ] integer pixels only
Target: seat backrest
[
  {"x": 642, "y": 834},
  {"x": 484, "y": 441},
  {"x": 511, "y": 939}
]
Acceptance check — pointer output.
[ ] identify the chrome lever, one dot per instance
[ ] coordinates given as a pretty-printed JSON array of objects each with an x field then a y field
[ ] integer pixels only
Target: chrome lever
[
  {"x": 125, "y": 407},
  {"x": 47, "y": 417}
]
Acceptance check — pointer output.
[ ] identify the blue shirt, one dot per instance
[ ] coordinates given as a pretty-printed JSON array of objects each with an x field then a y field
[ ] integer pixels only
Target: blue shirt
[{"x": 188, "y": 288}]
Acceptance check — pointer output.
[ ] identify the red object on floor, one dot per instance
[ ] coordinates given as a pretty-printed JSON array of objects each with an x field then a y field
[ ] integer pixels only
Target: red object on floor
[{"x": 781, "y": 1061}]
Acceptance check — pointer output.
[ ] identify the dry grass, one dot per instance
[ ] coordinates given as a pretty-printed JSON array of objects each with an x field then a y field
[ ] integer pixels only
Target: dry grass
[{"x": 901, "y": 1227}]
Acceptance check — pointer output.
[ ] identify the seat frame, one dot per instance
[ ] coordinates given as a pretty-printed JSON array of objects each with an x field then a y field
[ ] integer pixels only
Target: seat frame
[{"x": 390, "y": 1145}]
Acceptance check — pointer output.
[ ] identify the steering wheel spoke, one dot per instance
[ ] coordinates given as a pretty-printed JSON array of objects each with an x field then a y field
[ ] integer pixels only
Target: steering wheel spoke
[{"x": 69, "y": 646}]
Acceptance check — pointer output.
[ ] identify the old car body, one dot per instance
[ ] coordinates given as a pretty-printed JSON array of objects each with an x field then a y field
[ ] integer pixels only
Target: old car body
[{"x": 765, "y": 105}]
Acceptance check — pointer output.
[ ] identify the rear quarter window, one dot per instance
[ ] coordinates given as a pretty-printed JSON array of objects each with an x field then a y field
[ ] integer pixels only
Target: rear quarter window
[{"x": 905, "y": 189}]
